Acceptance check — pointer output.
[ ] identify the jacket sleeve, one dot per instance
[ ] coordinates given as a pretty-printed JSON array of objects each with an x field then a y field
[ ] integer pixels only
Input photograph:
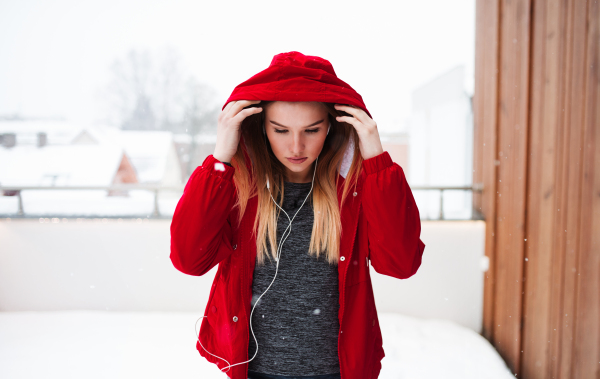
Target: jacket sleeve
[
  {"x": 393, "y": 220},
  {"x": 201, "y": 231}
]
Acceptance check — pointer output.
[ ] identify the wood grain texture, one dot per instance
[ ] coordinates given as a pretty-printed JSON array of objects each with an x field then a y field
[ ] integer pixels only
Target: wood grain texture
[
  {"x": 485, "y": 104},
  {"x": 586, "y": 341},
  {"x": 536, "y": 103},
  {"x": 510, "y": 198}
]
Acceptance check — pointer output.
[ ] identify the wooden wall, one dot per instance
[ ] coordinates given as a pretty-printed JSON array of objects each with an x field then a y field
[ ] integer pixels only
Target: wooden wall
[{"x": 537, "y": 151}]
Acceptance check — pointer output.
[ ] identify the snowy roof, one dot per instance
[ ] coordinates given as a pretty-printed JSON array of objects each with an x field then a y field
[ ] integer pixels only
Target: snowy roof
[
  {"x": 147, "y": 150},
  {"x": 70, "y": 165},
  {"x": 58, "y": 132}
]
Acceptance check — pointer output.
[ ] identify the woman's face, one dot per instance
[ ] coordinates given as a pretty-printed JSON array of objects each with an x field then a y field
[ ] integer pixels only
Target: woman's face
[{"x": 296, "y": 130}]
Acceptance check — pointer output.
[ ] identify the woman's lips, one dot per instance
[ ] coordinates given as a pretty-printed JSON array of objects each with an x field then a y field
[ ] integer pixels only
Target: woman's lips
[{"x": 297, "y": 160}]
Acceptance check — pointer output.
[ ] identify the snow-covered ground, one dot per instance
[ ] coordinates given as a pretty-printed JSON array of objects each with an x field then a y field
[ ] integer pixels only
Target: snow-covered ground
[{"x": 95, "y": 344}]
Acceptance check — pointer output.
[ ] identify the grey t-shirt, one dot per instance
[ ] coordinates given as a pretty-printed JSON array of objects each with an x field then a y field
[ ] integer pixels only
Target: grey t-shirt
[{"x": 296, "y": 321}]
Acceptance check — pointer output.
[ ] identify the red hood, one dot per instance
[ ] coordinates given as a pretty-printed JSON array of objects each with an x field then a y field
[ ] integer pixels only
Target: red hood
[{"x": 293, "y": 76}]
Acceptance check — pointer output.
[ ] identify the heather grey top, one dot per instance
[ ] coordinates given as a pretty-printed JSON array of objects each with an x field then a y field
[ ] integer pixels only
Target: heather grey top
[{"x": 296, "y": 321}]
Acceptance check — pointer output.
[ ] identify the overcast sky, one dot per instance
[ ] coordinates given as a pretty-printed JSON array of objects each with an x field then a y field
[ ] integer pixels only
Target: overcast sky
[{"x": 55, "y": 55}]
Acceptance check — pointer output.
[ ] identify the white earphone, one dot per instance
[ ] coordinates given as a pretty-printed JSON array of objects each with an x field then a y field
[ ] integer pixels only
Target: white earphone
[{"x": 276, "y": 268}]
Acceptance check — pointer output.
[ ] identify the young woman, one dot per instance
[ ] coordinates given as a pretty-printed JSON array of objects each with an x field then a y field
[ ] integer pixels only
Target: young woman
[{"x": 295, "y": 203}]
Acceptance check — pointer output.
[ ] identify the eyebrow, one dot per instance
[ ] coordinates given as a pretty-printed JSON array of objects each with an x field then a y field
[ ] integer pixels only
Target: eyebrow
[{"x": 308, "y": 126}]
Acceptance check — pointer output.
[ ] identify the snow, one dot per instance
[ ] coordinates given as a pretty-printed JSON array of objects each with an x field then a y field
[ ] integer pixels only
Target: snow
[
  {"x": 152, "y": 153},
  {"x": 58, "y": 132},
  {"x": 148, "y": 150},
  {"x": 91, "y": 158},
  {"x": 63, "y": 165},
  {"x": 89, "y": 203},
  {"x": 96, "y": 344}
]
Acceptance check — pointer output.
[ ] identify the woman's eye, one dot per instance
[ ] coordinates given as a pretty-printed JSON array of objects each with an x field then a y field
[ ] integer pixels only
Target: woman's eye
[{"x": 308, "y": 131}]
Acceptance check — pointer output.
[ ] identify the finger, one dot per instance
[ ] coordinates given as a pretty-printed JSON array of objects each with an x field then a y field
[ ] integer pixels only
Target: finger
[
  {"x": 354, "y": 111},
  {"x": 239, "y": 105},
  {"x": 352, "y": 121},
  {"x": 225, "y": 110},
  {"x": 228, "y": 106},
  {"x": 245, "y": 113}
]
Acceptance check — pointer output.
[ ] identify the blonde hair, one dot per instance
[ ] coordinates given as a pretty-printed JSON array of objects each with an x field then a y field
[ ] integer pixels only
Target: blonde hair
[{"x": 327, "y": 226}]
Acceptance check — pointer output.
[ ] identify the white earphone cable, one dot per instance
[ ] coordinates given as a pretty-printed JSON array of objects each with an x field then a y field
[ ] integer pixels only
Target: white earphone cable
[{"x": 276, "y": 269}]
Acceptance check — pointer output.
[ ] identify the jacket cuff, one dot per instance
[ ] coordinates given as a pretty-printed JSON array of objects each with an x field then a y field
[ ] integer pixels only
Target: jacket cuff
[
  {"x": 216, "y": 167},
  {"x": 377, "y": 163}
]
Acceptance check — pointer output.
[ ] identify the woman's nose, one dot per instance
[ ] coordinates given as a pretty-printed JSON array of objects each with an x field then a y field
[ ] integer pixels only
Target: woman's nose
[{"x": 298, "y": 143}]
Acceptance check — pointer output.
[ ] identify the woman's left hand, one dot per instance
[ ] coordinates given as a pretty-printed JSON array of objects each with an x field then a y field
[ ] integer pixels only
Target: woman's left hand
[{"x": 369, "y": 141}]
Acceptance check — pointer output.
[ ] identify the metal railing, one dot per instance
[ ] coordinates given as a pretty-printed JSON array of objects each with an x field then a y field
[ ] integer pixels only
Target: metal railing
[
  {"x": 476, "y": 187},
  {"x": 16, "y": 191}
]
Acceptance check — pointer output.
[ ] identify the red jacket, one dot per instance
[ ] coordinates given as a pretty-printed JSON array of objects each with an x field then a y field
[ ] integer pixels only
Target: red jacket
[{"x": 380, "y": 224}]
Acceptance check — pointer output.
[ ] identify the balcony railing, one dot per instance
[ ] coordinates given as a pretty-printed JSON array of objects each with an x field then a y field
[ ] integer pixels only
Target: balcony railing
[
  {"x": 476, "y": 187},
  {"x": 121, "y": 188},
  {"x": 156, "y": 189}
]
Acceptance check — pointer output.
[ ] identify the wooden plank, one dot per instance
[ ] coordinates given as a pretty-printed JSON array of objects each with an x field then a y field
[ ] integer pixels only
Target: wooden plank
[
  {"x": 572, "y": 176},
  {"x": 545, "y": 95},
  {"x": 586, "y": 344},
  {"x": 512, "y": 178},
  {"x": 561, "y": 14},
  {"x": 486, "y": 100},
  {"x": 543, "y": 314}
]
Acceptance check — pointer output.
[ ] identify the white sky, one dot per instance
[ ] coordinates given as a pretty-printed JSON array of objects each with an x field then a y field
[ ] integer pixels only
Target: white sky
[{"x": 55, "y": 56}]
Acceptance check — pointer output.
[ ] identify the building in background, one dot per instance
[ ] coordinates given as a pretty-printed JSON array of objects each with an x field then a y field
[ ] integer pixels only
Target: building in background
[
  {"x": 441, "y": 144},
  {"x": 46, "y": 153},
  {"x": 41, "y": 153},
  {"x": 148, "y": 156},
  {"x": 67, "y": 165},
  {"x": 152, "y": 153},
  {"x": 36, "y": 132}
]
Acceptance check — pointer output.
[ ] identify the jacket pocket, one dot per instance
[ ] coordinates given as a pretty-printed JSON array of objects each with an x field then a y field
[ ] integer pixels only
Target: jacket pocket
[{"x": 358, "y": 271}]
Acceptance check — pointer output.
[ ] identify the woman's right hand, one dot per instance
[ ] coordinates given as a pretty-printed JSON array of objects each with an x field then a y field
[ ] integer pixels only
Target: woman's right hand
[{"x": 229, "y": 129}]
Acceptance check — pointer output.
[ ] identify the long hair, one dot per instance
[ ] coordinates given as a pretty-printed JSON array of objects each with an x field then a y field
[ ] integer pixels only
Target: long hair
[{"x": 327, "y": 226}]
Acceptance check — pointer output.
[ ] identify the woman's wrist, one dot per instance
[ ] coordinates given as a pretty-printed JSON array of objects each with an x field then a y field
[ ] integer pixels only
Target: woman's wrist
[{"x": 222, "y": 159}]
